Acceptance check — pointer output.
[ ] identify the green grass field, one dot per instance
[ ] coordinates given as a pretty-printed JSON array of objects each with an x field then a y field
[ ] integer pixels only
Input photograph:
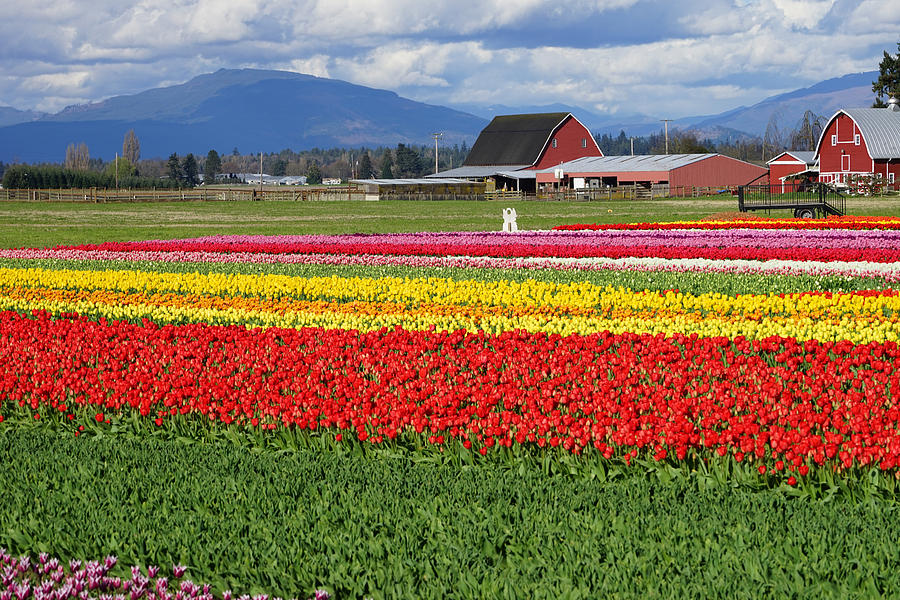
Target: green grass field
[
  {"x": 284, "y": 514},
  {"x": 37, "y": 225}
]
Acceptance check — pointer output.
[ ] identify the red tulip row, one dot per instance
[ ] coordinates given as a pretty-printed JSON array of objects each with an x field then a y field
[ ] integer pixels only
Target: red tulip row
[
  {"x": 776, "y": 401},
  {"x": 507, "y": 250},
  {"x": 846, "y": 222}
]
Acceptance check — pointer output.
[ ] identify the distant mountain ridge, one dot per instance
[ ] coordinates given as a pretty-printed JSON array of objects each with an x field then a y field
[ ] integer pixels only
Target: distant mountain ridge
[
  {"x": 12, "y": 116},
  {"x": 824, "y": 98},
  {"x": 252, "y": 110}
]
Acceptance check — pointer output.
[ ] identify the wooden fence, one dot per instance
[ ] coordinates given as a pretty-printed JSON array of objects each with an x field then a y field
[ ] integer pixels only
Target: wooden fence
[
  {"x": 346, "y": 193},
  {"x": 332, "y": 193},
  {"x": 633, "y": 192}
]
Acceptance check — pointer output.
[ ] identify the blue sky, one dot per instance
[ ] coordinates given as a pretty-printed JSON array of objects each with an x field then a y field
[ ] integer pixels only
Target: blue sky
[{"x": 618, "y": 56}]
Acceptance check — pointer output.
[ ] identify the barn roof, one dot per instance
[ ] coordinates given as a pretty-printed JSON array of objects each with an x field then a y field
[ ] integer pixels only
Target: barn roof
[
  {"x": 515, "y": 139},
  {"x": 880, "y": 127},
  {"x": 807, "y": 156},
  {"x": 422, "y": 181},
  {"x": 475, "y": 171},
  {"x": 640, "y": 162}
]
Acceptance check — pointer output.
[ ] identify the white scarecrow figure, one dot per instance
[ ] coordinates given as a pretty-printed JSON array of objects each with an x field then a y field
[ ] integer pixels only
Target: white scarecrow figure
[{"x": 509, "y": 220}]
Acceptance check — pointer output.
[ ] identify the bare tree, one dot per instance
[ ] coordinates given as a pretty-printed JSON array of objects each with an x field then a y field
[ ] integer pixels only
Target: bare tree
[
  {"x": 806, "y": 134},
  {"x": 78, "y": 157},
  {"x": 131, "y": 147},
  {"x": 773, "y": 140}
]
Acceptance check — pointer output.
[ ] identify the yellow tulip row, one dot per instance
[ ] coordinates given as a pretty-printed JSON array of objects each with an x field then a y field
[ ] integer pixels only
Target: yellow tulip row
[
  {"x": 414, "y": 292},
  {"x": 363, "y": 316}
]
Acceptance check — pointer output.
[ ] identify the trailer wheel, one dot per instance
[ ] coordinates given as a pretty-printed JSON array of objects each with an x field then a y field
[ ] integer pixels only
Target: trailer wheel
[{"x": 804, "y": 213}]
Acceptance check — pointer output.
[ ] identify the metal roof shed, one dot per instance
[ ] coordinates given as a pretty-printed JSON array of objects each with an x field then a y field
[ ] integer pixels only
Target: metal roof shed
[
  {"x": 376, "y": 189},
  {"x": 676, "y": 170}
]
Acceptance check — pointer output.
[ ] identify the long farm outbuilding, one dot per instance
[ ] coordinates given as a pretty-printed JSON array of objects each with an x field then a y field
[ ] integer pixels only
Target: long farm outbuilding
[{"x": 655, "y": 174}]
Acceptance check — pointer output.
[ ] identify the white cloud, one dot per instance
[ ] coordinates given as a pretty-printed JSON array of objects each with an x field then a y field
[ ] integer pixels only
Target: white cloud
[
  {"x": 56, "y": 90},
  {"x": 803, "y": 13},
  {"x": 406, "y": 17},
  {"x": 314, "y": 65},
  {"x": 215, "y": 20},
  {"x": 718, "y": 53},
  {"x": 409, "y": 64},
  {"x": 875, "y": 16}
]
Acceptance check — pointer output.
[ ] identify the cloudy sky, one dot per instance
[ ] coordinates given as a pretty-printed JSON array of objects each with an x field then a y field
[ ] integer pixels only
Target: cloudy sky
[{"x": 620, "y": 56}]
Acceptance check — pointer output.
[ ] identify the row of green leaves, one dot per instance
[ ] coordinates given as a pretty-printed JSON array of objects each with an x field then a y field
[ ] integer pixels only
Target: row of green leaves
[{"x": 283, "y": 513}]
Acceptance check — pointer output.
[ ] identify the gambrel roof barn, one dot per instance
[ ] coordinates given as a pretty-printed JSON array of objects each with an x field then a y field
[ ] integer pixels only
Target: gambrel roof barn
[
  {"x": 861, "y": 141},
  {"x": 532, "y": 141}
]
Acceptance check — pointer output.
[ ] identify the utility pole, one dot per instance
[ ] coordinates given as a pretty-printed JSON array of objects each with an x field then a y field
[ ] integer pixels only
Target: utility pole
[
  {"x": 632, "y": 146},
  {"x": 117, "y": 171},
  {"x": 666, "y": 121},
  {"x": 436, "y": 137}
]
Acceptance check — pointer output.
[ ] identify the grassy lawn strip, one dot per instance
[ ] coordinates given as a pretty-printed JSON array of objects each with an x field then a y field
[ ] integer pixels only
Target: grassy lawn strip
[
  {"x": 408, "y": 526},
  {"x": 41, "y": 224}
]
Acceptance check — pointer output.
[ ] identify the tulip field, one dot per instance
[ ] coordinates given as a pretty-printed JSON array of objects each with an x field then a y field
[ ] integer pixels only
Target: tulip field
[{"x": 705, "y": 408}]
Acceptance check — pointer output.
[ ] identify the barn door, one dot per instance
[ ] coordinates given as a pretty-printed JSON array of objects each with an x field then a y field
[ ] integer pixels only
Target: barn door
[{"x": 845, "y": 162}]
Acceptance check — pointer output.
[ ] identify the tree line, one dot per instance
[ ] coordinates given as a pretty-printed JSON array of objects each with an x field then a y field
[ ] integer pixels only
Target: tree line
[
  {"x": 58, "y": 177},
  {"x": 80, "y": 170},
  {"x": 404, "y": 161}
]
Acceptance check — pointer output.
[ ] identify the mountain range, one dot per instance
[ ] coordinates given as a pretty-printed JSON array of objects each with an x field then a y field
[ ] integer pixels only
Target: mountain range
[
  {"x": 267, "y": 111},
  {"x": 248, "y": 109}
]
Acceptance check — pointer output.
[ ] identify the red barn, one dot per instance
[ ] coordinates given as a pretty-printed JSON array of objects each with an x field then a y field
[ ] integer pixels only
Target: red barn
[
  {"x": 534, "y": 141},
  {"x": 863, "y": 142},
  {"x": 789, "y": 162},
  {"x": 512, "y": 147}
]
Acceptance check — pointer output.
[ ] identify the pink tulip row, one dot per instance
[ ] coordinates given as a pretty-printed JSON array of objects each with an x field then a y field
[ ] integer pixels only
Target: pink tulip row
[
  {"x": 756, "y": 238},
  {"x": 22, "y": 578}
]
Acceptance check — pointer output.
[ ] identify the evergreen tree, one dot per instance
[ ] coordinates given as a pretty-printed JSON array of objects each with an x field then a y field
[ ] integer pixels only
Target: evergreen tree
[
  {"x": 687, "y": 143},
  {"x": 387, "y": 165},
  {"x": 314, "y": 174},
  {"x": 174, "y": 168},
  {"x": 190, "y": 170},
  {"x": 212, "y": 167},
  {"x": 409, "y": 164},
  {"x": 888, "y": 82},
  {"x": 366, "y": 171}
]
